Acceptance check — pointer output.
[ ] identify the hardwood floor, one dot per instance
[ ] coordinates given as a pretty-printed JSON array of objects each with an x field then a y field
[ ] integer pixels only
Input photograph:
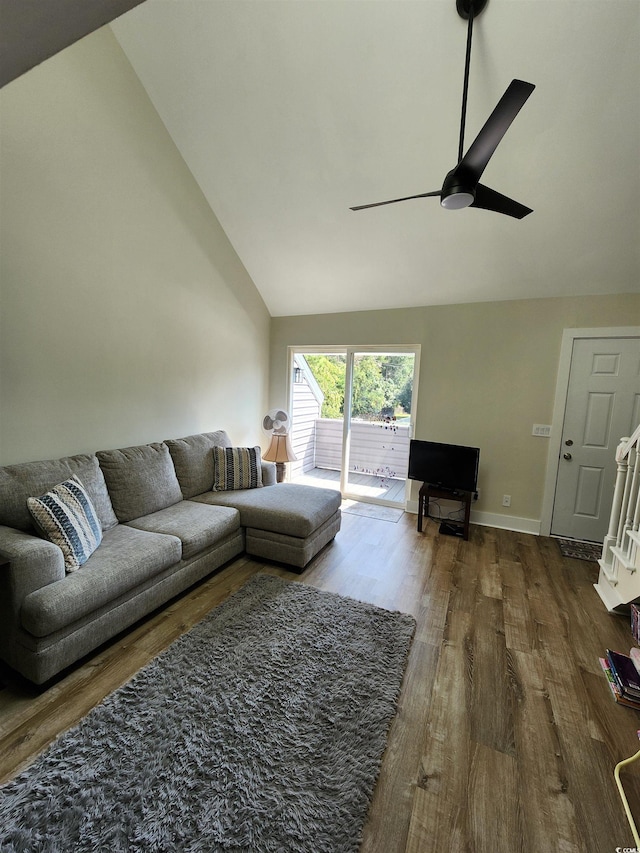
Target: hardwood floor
[{"x": 506, "y": 735}]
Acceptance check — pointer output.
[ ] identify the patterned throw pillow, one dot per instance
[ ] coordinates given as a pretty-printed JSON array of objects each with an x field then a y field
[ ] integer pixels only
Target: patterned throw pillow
[
  {"x": 236, "y": 468},
  {"x": 66, "y": 517}
]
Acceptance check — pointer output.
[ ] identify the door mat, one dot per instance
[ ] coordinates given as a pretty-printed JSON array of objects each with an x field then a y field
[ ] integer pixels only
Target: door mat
[
  {"x": 382, "y": 513},
  {"x": 591, "y": 551}
]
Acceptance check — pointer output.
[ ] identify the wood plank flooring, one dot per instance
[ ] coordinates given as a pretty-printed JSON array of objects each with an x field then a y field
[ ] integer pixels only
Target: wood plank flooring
[{"x": 506, "y": 735}]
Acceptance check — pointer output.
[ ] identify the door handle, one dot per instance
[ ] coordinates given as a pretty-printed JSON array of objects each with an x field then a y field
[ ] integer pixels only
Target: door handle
[{"x": 566, "y": 456}]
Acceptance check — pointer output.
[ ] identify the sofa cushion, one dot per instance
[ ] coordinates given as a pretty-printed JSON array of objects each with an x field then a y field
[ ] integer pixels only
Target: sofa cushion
[
  {"x": 269, "y": 473},
  {"x": 28, "y": 479},
  {"x": 141, "y": 479},
  {"x": 66, "y": 517},
  {"x": 193, "y": 460},
  {"x": 236, "y": 468},
  {"x": 197, "y": 525},
  {"x": 289, "y": 508},
  {"x": 125, "y": 559}
]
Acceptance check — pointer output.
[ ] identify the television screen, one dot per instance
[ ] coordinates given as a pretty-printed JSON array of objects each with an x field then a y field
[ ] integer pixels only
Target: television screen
[{"x": 450, "y": 466}]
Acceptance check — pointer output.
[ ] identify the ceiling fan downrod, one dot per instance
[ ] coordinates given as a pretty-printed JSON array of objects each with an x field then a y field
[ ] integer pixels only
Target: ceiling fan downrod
[
  {"x": 465, "y": 85},
  {"x": 468, "y": 9},
  {"x": 455, "y": 194}
]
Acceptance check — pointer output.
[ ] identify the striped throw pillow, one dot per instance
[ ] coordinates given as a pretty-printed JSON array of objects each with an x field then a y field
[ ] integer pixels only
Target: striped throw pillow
[
  {"x": 66, "y": 517},
  {"x": 236, "y": 468}
]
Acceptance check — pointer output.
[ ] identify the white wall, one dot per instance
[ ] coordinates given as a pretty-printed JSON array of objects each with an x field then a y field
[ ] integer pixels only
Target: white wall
[{"x": 126, "y": 316}]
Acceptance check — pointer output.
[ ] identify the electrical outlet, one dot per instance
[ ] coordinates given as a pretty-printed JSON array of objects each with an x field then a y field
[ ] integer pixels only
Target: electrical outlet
[{"x": 506, "y": 500}]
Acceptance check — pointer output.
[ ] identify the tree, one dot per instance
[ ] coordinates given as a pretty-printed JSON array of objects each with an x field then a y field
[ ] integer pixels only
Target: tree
[
  {"x": 370, "y": 393},
  {"x": 404, "y": 397},
  {"x": 398, "y": 373},
  {"x": 329, "y": 371},
  {"x": 381, "y": 384}
]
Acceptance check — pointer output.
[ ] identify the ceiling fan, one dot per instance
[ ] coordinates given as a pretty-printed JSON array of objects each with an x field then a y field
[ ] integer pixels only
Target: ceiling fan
[{"x": 462, "y": 187}]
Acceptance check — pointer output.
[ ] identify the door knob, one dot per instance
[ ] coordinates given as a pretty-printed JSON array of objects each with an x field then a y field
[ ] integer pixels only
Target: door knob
[{"x": 566, "y": 456}]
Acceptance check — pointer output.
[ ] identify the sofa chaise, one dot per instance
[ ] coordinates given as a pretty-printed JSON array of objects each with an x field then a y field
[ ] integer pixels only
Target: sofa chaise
[{"x": 161, "y": 521}]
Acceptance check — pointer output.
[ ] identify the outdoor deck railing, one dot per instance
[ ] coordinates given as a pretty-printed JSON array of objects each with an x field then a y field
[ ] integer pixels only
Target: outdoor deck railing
[{"x": 379, "y": 448}]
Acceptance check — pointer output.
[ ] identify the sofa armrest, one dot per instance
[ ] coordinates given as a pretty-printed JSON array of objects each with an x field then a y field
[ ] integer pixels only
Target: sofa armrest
[
  {"x": 268, "y": 473},
  {"x": 32, "y": 564}
]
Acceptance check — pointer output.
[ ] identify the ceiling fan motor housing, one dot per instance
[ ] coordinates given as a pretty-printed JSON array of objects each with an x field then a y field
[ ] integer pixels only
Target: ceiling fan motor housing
[{"x": 458, "y": 190}]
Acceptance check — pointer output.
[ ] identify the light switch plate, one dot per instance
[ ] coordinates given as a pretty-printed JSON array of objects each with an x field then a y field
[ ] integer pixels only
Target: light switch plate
[{"x": 541, "y": 429}]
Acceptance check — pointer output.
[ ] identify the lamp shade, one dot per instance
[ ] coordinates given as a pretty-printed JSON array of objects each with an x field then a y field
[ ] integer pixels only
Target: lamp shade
[{"x": 280, "y": 450}]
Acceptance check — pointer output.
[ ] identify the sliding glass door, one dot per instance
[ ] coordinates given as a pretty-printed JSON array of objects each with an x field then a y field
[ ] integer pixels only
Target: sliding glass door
[
  {"x": 378, "y": 425},
  {"x": 352, "y": 419}
]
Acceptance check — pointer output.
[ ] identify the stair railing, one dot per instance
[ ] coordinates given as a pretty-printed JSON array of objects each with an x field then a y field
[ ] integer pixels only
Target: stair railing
[{"x": 622, "y": 542}]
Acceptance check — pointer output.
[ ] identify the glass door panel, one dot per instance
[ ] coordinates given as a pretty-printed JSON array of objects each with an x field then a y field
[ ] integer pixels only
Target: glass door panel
[
  {"x": 317, "y": 408},
  {"x": 379, "y": 425}
]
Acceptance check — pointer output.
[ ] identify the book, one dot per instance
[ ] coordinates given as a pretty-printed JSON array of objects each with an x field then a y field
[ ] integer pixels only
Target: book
[
  {"x": 615, "y": 690},
  {"x": 625, "y": 674}
]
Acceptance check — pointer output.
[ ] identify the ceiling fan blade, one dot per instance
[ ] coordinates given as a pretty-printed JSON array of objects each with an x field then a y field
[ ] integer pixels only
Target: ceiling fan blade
[
  {"x": 475, "y": 160},
  {"x": 394, "y": 200},
  {"x": 488, "y": 199}
]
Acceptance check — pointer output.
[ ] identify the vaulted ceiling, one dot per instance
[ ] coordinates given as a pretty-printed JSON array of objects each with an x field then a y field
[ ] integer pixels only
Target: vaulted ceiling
[{"x": 289, "y": 112}]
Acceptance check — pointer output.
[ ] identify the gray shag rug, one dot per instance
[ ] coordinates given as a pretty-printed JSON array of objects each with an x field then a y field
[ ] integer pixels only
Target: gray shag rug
[{"x": 262, "y": 729}]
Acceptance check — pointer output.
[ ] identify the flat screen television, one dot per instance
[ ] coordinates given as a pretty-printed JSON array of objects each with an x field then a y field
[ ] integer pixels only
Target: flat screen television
[{"x": 449, "y": 466}]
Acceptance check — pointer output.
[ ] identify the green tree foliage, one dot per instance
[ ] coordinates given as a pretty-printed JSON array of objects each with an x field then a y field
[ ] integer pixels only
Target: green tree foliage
[
  {"x": 329, "y": 371},
  {"x": 370, "y": 389},
  {"x": 382, "y": 384},
  {"x": 404, "y": 397},
  {"x": 398, "y": 374}
]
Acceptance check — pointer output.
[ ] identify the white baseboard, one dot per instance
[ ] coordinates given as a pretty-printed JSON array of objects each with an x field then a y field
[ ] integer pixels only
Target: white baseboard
[
  {"x": 506, "y": 522},
  {"x": 495, "y": 519}
]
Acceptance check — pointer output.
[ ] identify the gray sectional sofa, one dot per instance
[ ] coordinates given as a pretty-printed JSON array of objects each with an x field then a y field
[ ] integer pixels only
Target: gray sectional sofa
[{"x": 163, "y": 529}]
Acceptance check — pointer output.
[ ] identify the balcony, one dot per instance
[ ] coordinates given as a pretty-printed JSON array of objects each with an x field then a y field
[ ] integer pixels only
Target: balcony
[{"x": 378, "y": 456}]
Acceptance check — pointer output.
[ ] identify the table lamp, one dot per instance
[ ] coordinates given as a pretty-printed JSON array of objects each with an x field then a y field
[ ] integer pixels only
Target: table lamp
[{"x": 280, "y": 452}]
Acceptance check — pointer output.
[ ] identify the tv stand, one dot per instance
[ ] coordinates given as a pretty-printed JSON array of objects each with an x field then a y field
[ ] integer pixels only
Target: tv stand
[{"x": 427, "y": 491}]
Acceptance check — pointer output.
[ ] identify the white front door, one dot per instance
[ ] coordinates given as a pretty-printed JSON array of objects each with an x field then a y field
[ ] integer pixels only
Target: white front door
[{"x": 602, "y": 406}]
